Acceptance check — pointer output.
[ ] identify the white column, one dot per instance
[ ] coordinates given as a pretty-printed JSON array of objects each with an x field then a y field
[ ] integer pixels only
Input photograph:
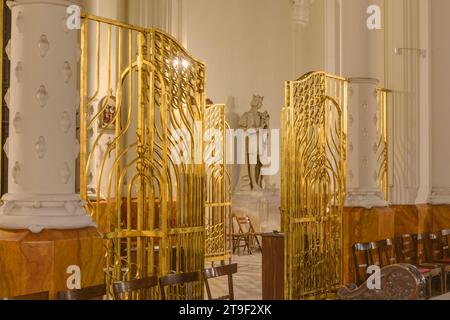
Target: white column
[
  {"x": 361, "y": 59},
  {"x": 43, "y": 102},
  {"x": 363, "y": 190}
]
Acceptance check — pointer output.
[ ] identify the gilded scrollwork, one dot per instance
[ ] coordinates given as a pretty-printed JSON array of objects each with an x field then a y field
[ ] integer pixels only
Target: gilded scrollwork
[
  {"x": 150, "y": 206},
  {"x": 313, "y": 183}
]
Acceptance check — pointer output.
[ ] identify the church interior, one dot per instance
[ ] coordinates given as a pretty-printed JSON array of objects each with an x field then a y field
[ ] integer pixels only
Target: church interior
[{"x": 225, "y": 150}]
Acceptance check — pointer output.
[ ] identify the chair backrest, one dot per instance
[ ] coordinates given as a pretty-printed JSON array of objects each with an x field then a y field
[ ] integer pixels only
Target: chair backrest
[
  {"x": 90, "y": 293},
  {"x": 362, "y": 260},
  {"x": 134, "y": 289},
  {"x": 421, "y": 242},
  {"x": 445, "y": 239},
  {"x": 227, "y": 270},
  {"x": 383, "y": 253},
  {"x": 35, "y": 296},
  {"x": 433, "y": 247},
  {"x": 178, "y": 279},
  {"x": 244, "y": 224},
  {"x": 407, "y": 249}
]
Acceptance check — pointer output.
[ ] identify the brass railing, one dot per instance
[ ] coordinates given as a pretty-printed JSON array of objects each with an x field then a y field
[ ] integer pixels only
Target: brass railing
[
  {"x": 382, "y": 141},
  {"x": 313, "y": 184},
  {"x": 2, "y": 4},
  {"x": 218, "y": 194},
  {"x": 143, "y": 184}
]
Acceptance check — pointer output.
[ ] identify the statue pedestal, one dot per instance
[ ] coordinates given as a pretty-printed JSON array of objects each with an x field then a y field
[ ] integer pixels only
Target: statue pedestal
[
  {"x": 262, "y": 207},
  {"x": 32, "y": 263}
]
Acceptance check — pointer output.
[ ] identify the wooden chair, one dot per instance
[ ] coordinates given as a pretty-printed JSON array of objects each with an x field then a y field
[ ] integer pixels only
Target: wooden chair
[
  {"x": 383, "y": 253},
  {"x": 90, "y": 293},
  {"x": 245, "y": 233},
  {"x": 429, "y": 270},
  {"x": 362, "y": 259},
  {"x": 227, "y": 270},
  {"x": 407, "y": 250},
  {"x": 445, "y": 240},
  {"x": 178, "y": 279},
  {"x": 41, "y": 296},
  {"x": 436, "y": 253},
  {"x": 140, "y": 288}
]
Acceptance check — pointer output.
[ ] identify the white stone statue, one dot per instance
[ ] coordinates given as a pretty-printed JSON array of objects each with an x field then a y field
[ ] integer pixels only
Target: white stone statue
[{"x": 252, "y": 122}]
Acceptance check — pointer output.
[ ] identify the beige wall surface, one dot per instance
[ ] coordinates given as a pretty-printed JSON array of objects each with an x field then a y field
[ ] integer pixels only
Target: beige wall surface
[
  {"x": 440, "y": 84},
  {"x": 248, "y": 49}
]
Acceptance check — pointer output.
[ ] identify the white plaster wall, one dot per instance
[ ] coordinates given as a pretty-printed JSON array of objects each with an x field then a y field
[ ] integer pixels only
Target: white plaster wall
[
  {"x": 440, "y": 56},
  {"x": 112, "y": 9},
  {"x": 362, "y": 49},
  {"x": 247, "y": 47},
  {"x": 309, "y": 44}
]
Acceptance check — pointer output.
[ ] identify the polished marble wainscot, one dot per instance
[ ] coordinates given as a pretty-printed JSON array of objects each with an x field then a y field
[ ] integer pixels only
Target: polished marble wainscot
[
  {"x": 366, "y": 225},
  {"x": 31, "y": 263}
]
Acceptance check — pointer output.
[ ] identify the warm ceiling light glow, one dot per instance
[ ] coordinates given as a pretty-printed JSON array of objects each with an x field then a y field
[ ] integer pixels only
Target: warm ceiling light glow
[{"x": 184, "y": 63}]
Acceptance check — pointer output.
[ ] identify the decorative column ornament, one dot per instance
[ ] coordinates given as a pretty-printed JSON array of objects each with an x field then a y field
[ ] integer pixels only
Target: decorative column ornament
[
  {"x": 302, "y": 11},
  {"x": 363, "y": 189},
  {"x": 43, "y": 108}
]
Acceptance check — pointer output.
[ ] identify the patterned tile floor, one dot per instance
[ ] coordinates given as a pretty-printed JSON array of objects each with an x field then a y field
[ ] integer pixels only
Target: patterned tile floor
[{"x": 247, "y": 282}]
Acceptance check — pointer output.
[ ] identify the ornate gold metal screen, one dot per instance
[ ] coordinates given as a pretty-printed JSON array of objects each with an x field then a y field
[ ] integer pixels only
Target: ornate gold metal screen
[
  {"x": 218, "y": 195},
  {"x": 313, "y": 184},
  {"x": 382, "y": 133},
  {"x": 142, "y": 171}
]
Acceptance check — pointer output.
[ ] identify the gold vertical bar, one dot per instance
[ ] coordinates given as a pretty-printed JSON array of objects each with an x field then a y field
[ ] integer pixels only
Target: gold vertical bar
[
  {"x": 83, "y": 109},
  {"x": 152, "y": 124},
  {"x": 118, "y": 129},
  {"x": 223, "y": 176},
  {"x": 141, "y": 145},
  {"x": 386, "y": 139},
  {"x": 108, "y": 90},
  {"x": 2, "y": 13},
  {"x": 344, "y": 124},
  {"x": 130, "y": 106},
  {"x": 119, "y": 123}
]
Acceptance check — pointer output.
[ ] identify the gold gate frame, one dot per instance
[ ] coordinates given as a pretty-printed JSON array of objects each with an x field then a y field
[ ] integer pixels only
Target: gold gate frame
[
  {"x": 218, "y": 241},
  {"x": 313, "y": 184},
  {"x": 148, "y": 202}
]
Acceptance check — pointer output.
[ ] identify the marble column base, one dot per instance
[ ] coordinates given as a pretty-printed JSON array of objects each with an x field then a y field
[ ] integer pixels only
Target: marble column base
[
  {"x": 32, "y": 263},
  {"x": 440, "y": 196},
  {"x": 365, "y": 198},
  {"x": 37, "y": 212}
]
